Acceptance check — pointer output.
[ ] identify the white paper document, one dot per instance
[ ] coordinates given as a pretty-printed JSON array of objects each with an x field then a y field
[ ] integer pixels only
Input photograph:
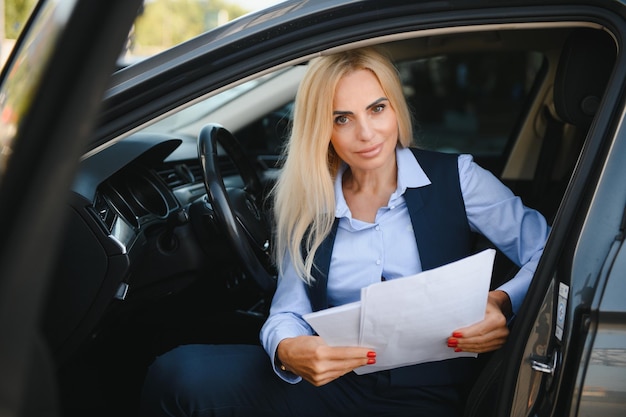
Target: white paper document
[{"x": 408, "y": 320}]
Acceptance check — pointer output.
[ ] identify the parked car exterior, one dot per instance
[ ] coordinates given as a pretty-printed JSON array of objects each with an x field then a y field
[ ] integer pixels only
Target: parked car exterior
[{"x": 119, "y": 243}]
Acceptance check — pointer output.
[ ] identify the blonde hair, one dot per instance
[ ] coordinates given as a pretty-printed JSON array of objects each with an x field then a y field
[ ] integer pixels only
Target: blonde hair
[{"x": 304, "y": 199}]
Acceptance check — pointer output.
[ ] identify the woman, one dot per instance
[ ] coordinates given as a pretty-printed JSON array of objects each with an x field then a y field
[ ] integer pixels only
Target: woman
[{"x": 355, "y": 204}]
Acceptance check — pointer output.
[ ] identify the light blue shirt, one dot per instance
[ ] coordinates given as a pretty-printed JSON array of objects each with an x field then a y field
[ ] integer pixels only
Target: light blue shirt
[{"x": 364, "y": 252}]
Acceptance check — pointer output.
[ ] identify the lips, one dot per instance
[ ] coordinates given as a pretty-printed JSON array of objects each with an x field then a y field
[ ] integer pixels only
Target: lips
[{"x": 371, "y": 152}]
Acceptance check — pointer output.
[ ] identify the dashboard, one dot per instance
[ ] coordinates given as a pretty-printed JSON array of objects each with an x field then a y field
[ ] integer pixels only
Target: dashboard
[
  {"x": 131, "y": 187},
  {"x": 129, "y": 235}
]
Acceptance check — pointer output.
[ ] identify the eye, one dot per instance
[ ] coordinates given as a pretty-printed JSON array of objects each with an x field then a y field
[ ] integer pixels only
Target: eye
[
  {"x": 341, "y": 120},
  {"x": 378, "y": 108}
]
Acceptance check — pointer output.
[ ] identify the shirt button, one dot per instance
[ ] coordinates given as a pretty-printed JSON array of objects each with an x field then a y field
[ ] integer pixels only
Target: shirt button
[
  {"x": 378, "y": 262},
  {"x": 377, "y": 228}
]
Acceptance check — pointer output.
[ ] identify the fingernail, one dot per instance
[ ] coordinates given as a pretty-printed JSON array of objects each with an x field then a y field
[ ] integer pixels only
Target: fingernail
[
  {"x": 371, "y": 354},
  {"x": 371, "y": 361},
  {"x": 457, "y": 334},
  {"x": 458, "y": 350},
  {"x": 452, "y": 342}
]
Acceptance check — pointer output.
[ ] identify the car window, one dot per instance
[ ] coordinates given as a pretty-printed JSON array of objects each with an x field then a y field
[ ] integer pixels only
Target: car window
[
  {"x": 468, "y": 103},
  {"x": 196, "y": 112},
  {"x": 461, "y": 103},
  {"x": 23, "y": 76}
]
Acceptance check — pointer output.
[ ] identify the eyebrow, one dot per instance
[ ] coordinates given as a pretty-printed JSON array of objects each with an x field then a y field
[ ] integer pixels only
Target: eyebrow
[{"x": 374, "y": 104}]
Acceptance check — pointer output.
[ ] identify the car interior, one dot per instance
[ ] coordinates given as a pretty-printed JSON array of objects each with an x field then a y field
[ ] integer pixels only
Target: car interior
[{"x": 157, "y": 252}]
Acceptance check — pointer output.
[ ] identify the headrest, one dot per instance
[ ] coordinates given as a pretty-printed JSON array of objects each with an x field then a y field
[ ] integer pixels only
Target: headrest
[{"x": 584, "y": 68}]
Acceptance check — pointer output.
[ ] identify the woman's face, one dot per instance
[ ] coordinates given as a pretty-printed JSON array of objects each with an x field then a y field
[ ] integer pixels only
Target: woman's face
[{"x": 365, "y": 128}]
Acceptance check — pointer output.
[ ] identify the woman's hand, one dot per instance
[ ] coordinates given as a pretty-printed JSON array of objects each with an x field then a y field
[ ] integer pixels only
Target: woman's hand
[
  {"x": 488, "y": 334},
  {"x": 316, "y": 362}
]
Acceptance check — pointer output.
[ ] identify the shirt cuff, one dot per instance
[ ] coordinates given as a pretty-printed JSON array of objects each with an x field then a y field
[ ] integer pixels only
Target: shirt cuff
[
  {"x": 272, "y": 347},
  {"x": 516, "y": 288}
]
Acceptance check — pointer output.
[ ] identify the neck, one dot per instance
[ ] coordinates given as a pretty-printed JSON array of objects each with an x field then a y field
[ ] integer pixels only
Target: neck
[
  {"x": 366, "y": 192},
  {"x": 377, "y": 181}
]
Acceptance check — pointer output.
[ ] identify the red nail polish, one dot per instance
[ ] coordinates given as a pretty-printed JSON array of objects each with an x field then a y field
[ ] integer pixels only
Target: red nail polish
[
  {"x": 457, "y": 334},
  {"x": 452, "y": 342},
  {"x": 371, "y": 361},
  {"x": 371, "y": 354},
  {"x": 458, "y": 350}
]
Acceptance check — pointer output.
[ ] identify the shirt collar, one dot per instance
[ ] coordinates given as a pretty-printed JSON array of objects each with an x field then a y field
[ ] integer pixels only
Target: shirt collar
[
  {"x": 410, "y": 175},
  {"x": 410, "y": 172}
]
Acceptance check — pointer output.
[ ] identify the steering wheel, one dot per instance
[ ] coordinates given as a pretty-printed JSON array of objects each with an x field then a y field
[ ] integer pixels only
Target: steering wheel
[{"x": 238, "y": 210}]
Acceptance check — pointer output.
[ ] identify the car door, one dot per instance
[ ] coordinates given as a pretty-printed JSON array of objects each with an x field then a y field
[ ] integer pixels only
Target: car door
[
  {"x": 568, "y": 352},
  {"x": 50, "y": 91}
]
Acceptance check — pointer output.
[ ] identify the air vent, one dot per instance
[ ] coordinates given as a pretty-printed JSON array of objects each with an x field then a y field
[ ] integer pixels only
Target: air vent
[
  {"x": 196, "y": 171},
  {"x": 227, "y": 167},
  {"x": 104, "y": 212},
  {"x": 191, "y": 172},
  {"x": 172, "y": 177},
  {"x": 181, "y": 174}
]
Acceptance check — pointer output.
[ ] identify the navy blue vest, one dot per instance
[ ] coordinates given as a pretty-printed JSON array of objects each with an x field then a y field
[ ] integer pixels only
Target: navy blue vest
[{"x": 442, "y": 234}]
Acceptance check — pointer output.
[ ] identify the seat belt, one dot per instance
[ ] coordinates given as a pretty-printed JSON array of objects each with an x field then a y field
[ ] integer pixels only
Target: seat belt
[{"x": 550, "y": 146}]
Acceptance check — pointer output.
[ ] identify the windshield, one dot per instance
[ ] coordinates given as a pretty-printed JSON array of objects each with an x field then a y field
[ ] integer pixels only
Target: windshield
[{"x": 201, "y": 110}]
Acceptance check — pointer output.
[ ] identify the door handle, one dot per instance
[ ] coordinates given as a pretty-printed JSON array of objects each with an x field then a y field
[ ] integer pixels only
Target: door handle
[{"x": 545, "y": 364}]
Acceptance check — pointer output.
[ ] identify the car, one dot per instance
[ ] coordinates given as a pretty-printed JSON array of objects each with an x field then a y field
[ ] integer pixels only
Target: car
[{"x": 133, "y": 201}]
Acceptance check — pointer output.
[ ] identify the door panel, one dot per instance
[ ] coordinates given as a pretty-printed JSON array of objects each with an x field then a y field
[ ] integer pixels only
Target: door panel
[
  {"x": 49, "y": 96},
  {"x": 537, "y": 348},
  {"x": 571, "y": 331},
  {"x": 561, "y": 318}
]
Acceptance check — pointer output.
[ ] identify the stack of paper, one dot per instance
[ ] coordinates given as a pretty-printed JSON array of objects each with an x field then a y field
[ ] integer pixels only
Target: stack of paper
[{"x": 408, "y": 320}]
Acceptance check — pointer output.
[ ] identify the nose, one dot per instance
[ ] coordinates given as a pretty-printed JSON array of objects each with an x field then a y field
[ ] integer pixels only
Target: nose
[{"x": 365, "y": 130}]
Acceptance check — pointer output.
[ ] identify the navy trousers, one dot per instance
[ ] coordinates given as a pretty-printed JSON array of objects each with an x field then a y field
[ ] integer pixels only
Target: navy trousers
[{"x": 238, "y": 380}]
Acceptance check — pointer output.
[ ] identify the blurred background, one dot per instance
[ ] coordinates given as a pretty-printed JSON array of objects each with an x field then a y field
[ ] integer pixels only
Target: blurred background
[{"x": 160, "y": 24}]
